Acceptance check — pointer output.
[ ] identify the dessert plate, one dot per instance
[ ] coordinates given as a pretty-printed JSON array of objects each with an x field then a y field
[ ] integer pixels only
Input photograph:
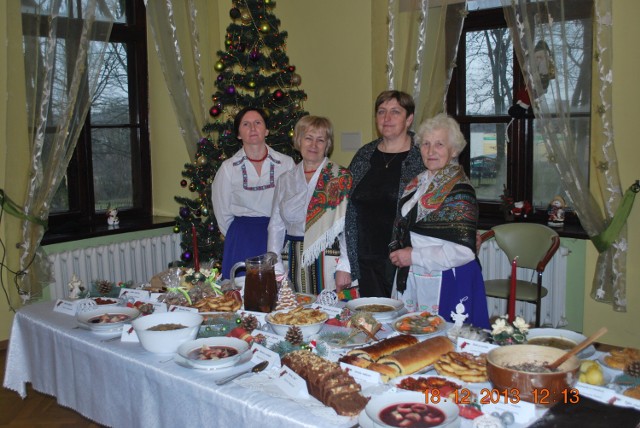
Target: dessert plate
[{"x": 243, "y": 363}]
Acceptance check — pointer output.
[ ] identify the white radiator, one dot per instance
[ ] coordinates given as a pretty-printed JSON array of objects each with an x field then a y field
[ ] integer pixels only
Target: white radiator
[
  {"x": 136, "y": 261},
  {"x": 495, "y": 265}
]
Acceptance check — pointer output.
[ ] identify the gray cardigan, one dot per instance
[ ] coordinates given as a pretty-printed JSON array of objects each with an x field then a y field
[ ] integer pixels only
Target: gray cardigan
[{"x": 360, "y": 164}]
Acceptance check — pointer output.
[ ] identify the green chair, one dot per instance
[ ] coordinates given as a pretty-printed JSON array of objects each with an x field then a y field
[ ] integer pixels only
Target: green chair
[{"x": 534, "y": 245}]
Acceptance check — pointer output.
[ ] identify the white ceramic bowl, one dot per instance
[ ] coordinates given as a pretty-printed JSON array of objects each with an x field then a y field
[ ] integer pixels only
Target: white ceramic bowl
[
  {"x": 445, "y": 408},
  {"x": 364, "y": 303},
  {"x": 189, "y": 351},
  {"x": 308, "y": 330},
  {"x": 166, "y": 341},
  {"x": 90, "y": 318},
  {"x": 571, "y": 336}
]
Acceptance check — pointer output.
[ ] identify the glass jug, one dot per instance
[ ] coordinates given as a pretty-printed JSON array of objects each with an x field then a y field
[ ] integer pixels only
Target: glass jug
[{"x": 260, "y": 288}]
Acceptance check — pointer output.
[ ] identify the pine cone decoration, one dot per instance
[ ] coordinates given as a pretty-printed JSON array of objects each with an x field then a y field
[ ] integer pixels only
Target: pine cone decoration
[
  {"x": 294, "y": 335},
  {"x": 104, "y": 287},
  {"x": 249, "y": 322},
  {"x": 633, "y": 369}
]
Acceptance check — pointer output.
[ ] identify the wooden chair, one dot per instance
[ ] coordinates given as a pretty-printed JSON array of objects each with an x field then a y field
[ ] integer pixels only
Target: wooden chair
[{"x": 534, "y": 245}]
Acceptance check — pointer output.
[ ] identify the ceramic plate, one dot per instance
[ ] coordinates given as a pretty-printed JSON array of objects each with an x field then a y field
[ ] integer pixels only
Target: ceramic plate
[
  {"x": 192, "y": 351},
  {"x": 376, "y": 305},
  {"x": 572, "y": 336},
  {"x": 445, "y": 409},
  {"x": 243, "y": 363},
  {"x": 419, "y": 319},
  {"x": 602, "y": 361},
  {"x": 336, "y": 336},
  {"x": 107, "y": 318}
]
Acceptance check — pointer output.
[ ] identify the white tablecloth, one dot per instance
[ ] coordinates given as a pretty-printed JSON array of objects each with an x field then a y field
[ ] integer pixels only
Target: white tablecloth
[{"x": 121, "y": 385}]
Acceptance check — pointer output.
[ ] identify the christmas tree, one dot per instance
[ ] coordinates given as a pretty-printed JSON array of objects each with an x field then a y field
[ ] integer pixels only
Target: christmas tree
[{"x": 254, "y": 70}]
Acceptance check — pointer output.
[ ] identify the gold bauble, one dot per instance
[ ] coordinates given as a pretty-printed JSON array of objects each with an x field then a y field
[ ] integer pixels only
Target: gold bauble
[
  {"x": 291, "y": 133},
  {"x": 219, "y": 66},
  {"x": 264, "y": 27},
  {"x": 245, "y": 18},
  {"x": 296, "y": 79},
  {"x": 252, "y": 84},
  {"x": 202, "y": 160}
]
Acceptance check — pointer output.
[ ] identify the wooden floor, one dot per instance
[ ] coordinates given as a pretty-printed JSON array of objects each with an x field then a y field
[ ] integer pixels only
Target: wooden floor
[{"x": 36, "y": 410}]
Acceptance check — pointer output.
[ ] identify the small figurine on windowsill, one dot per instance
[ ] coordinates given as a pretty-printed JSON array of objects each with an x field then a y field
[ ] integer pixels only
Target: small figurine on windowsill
[
  {"x": 112, "y": 217},
  {"x": 521, "y": 209},
  {"x": 76, "y": 287},
  {"x": 556, "y": 212}
]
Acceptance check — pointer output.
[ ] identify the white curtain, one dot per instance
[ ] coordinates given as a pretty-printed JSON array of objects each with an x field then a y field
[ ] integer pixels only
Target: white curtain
[
  {"x": 423, "y": 44},
  {"x": 62, "y": 68},
  {"x": 175, "y": 35},
  {"x": 558, "y": 80}
]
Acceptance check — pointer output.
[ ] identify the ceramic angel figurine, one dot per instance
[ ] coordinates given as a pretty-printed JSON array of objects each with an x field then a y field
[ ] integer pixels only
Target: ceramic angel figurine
[
  {"x": 76, "y": 287},
  {"x": 556, "y": 211},
  {"x": 112, "y": 217}
]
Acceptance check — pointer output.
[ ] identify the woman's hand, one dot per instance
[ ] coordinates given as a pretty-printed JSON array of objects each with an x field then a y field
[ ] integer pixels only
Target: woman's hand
[
  {"x": 401, "y": 258},
  {"x": 343, "y": 280}
]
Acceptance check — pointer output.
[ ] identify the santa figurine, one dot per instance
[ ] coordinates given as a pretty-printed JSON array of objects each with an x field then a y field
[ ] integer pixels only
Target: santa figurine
[
  {"x": 521, "y": 209},
  {"x": 556, "y": 211}
]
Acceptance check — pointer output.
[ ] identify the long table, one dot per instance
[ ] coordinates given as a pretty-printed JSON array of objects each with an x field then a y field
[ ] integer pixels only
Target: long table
[{"x": 120, "y": 384}]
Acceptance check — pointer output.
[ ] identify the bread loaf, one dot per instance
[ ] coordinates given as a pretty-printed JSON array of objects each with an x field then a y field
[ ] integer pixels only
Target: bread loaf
[
  {"x": 384, "y": 347},
  {"x": 415, "y": 357},
  {"x": 327, "y": 382}
]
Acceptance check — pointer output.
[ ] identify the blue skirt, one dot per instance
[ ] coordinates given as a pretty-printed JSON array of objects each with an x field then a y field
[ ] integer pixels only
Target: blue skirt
[
  {"x": 465, "y": 282},
  {"x": 246, "y": 237}
]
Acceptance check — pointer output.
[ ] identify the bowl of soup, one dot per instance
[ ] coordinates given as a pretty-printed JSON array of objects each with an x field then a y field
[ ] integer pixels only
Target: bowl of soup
[
  {"x": 164, "y": 332},
  {"x": 560, "y": 339},
  {"x": 410, "y": 409}
]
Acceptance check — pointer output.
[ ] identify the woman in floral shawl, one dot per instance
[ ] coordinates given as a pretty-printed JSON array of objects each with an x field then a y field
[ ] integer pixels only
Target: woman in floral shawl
[
  {"x": 434, "y": 243},
  {"x": 308, "y": 212}
]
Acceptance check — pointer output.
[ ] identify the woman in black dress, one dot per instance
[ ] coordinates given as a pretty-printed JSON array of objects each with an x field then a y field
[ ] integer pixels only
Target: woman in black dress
[{"x": 381, "y": 170}]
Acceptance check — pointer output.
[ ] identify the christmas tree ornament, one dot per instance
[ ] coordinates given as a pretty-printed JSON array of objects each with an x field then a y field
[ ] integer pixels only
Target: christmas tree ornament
[
  {"x": 214, "y": 111},
  {"x": 193, "y": 187},
  {"x": 254, "y": 55},
  {"x": 176, "y": 229},
  {"x": 183, "y": 183},
  {"x": 205, "y": 211},
  {"x": 184, "y": 212},
  {"x": 252, "y": 84},
  {"x": 292, "y": 68},
  {"x": 211, "y": 227},
  {"x": 186, "y": 256},
  {"x": 220, "y": 78},
  {"x": 291, "y": 133},
  {"x": 240, "y": 47},
  {"x": 278, "y": 95},
  {"x": 231, "y": 90},
  {"x": 228, "y": 43},
  {"x": 296, "y": 79},
  {"x": 264, "y": 27},
  {"x": 234, "y": 13},
  {"x": 245, "y": 17},
  {"x": 219, "y": 66}
]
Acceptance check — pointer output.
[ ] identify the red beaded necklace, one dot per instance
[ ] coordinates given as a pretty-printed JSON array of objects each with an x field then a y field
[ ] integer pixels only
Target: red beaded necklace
[{"x": 258, "y": 160}]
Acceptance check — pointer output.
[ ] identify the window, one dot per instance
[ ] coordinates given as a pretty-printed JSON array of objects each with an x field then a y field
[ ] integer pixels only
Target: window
[
  {"x": 111, "y": 163},
  {"x": 505, "y": 150}
]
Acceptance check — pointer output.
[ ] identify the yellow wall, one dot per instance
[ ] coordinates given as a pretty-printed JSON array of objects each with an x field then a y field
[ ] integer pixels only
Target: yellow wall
[
  {"x": 623, "y": 327},
  {"x": 330, "y": 43}
]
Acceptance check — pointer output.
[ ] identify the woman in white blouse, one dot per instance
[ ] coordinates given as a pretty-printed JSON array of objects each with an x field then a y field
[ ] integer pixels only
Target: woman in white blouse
[
  {"x": 309, "y": 210},
  {"x": 434, "y": 243},
  {"x": 242, "y": 191}
]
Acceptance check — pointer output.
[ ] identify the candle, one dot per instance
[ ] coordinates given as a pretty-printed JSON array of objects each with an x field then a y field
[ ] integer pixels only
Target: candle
[
  {"x": 196, "y": 260},
  {"x": 511, "y": 307}
]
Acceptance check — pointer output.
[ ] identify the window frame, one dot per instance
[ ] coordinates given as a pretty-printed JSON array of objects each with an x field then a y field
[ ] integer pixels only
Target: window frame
[
  {"x": 82, "y": 217},
  {"x": 520, "y": 150}
]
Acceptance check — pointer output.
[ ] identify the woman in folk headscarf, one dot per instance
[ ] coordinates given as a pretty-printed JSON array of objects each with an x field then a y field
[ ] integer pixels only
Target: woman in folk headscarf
[
  {"x": 309, "y": 208},
  {"x": 434, "y": 243}
]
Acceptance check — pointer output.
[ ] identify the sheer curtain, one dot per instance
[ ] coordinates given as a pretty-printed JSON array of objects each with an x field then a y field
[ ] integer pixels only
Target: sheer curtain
[
  {"x": 423, "y": 43},
  {"x": 557, "y": 69},
  {"x": 62, "y": 69},
  {"x": 175, "y": 35}
]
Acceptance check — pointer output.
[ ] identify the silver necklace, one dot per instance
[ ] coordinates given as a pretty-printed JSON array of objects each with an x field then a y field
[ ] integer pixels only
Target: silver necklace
[{"x": 387, "y": 163}]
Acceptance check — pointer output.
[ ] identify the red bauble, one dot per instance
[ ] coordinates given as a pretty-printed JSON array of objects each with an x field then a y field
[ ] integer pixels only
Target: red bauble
[
  {"x": 183, "y": 183},
  {"x": 214, "y": 111},
  {"x": 278, "y": 95},
  {"x": 292, "y": 68}
]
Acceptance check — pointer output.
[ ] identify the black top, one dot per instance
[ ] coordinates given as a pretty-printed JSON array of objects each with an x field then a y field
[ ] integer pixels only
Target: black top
[{"x": 375, "y": 199}]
